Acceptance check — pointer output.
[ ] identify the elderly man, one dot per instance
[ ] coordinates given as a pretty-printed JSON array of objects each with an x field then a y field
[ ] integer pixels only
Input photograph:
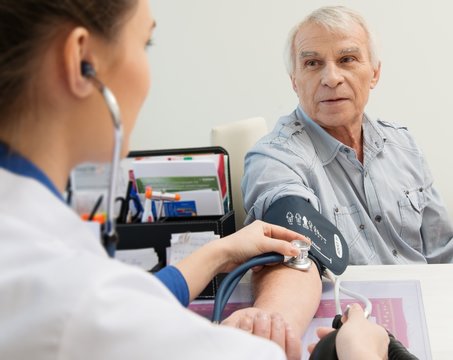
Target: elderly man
[{"x": 366, "y": 176}]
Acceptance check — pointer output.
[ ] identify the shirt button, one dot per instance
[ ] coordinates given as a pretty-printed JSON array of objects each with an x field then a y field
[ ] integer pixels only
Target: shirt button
[
  {"x": 421, "y": 189},
  {"x": 395, "y": 253},
  {"x": 336, "y": 209},
  {"x": 362, "y": 226},
  {"x": 378, "y": 218}
]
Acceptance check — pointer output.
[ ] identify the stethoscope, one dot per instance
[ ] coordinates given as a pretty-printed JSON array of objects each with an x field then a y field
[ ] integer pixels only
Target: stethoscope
[
  {"x": 109, "y": 234},
  {"x": 325, "y": 349}
]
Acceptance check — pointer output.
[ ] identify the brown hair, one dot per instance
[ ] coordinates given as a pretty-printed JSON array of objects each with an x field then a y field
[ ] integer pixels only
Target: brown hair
[{"x": 26, "y": 26}]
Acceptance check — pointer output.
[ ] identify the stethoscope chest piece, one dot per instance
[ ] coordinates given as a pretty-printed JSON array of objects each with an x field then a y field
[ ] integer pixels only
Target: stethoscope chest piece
[{"x": 301, "y": 261}]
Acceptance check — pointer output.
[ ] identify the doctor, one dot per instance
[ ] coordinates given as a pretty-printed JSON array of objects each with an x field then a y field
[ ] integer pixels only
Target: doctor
[{"x": 61, "y": 295}]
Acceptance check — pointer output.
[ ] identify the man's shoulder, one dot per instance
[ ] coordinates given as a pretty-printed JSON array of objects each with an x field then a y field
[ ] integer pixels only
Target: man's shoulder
[
  {"x": 390, "y": 125},
  {"x": 285, "y": 128},
  {"x": 285, "y": 141},
  {"x": 397, "y": 134}
]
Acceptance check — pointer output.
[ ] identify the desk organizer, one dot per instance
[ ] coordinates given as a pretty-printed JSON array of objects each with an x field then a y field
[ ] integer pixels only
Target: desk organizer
[{"x": 157, "y": 235}]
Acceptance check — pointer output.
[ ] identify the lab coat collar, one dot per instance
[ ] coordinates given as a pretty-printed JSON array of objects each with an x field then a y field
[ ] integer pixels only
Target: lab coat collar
[
  {"x": 30, "y": 202},
  {"x": 16, "y": 163}
]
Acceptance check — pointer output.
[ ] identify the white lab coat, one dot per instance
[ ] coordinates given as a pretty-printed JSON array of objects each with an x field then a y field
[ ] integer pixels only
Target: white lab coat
[{"x": 61, "y": 297}]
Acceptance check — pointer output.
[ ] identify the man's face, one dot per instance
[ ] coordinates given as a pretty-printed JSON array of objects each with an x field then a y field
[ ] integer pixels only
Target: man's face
[{"x": 333, "y": 74}]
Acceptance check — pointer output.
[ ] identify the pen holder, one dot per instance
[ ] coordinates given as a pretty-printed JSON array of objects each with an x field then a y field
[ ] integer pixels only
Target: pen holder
[{"x": 157, "y": 235}]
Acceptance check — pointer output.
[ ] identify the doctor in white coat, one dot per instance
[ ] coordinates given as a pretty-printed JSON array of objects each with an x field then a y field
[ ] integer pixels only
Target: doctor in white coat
[{"x": 61, "y": 296}]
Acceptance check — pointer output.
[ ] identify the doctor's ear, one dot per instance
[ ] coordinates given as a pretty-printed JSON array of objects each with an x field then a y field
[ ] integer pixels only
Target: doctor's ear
[{"x": 78, "y": 49}]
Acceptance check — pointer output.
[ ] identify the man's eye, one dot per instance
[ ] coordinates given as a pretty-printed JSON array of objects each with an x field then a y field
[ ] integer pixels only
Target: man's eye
[
  {"x": 149, "y": 43},
  {"x": 347, "y": 59},
  {"x": 311, "y": 63}
]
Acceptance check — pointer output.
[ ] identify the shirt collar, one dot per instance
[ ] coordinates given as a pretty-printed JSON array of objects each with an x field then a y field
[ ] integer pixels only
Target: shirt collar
[
  {"x": 17, "y": 164},
  {"x": 327, "y": 147}
]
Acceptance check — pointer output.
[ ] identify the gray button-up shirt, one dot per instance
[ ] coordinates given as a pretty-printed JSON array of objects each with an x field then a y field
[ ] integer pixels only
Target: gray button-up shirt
[{"x": 387, "y": 209}]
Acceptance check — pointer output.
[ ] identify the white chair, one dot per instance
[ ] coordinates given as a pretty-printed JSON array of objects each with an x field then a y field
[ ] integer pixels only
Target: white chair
[{"x": 237, "y": 138}]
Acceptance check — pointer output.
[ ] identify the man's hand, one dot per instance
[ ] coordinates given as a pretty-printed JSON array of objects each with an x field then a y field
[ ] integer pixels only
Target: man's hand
[
  {"x": 358, "y": 338},
  {"x": 269, "y": 326}
]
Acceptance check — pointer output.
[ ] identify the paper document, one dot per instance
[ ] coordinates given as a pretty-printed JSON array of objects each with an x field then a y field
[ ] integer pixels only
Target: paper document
[
  {"x": 184, "y": 244},
  {"x": 397, "y": 305},
  {"x": 207, "y": 202},
  {"x": 144, "y": 258}
]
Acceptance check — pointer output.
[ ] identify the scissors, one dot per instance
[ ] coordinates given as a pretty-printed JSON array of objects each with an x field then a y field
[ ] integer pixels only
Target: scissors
[{"x": 131, "y": 197}]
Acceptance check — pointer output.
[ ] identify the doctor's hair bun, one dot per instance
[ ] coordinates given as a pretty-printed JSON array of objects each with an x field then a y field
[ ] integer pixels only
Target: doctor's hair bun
[{"x": 28, "y": 26}]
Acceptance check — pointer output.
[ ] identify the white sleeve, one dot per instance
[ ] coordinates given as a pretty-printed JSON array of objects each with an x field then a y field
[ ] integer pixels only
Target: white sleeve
[{"x": 135, "y": 317}]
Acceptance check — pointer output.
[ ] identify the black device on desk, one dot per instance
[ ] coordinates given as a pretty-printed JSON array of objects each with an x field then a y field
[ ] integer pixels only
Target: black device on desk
[{"x": 157, "y": 235}]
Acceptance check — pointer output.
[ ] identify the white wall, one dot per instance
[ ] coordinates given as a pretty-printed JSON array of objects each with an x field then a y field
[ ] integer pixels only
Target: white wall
[{"x": 220, "y": 61}]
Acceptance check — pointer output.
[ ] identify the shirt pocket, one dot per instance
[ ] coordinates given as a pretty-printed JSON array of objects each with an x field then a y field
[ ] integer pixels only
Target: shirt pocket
[
  {"x": 350, "y": 223},
  {"x": 411, "y": 207}
]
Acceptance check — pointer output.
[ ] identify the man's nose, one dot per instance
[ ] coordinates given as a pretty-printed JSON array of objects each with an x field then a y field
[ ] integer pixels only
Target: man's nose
[{"x": 331, "y": 75}]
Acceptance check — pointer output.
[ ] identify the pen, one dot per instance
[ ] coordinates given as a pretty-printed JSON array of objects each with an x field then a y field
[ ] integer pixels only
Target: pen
[{"x": 95, "y": 208}]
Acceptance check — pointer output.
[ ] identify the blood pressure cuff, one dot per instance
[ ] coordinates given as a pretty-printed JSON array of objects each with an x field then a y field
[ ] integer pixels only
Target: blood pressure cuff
[{"x": 328, "y": 246}]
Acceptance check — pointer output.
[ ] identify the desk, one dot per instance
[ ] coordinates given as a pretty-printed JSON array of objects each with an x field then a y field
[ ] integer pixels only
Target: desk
[
  {"x": 437, "y": 291},
  {"x": 436, "y": 282}
]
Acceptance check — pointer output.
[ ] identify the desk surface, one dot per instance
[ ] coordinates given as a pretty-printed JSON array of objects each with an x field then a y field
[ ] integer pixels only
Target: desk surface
[{"x": 437, "y": 291}]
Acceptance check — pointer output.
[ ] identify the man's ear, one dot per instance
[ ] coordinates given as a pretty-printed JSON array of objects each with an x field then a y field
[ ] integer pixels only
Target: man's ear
[
  {"x": 77, "y": 50},
  {"x": 376, "y": 76},
  {"x": 293, "y": 82}
]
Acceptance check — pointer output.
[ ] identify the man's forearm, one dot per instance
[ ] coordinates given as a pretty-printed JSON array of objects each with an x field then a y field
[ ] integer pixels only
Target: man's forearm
[{"x": 292, "y": 293}]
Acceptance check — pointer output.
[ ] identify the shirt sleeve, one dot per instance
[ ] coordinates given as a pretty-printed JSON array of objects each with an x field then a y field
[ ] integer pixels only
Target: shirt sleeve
[
  {"x": 172, "y": 278},
  {"x": 260, "y": 186},
  {"x": 437, "y": 228}
]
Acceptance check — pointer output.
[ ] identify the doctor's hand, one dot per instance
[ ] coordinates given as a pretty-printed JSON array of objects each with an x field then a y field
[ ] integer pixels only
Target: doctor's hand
[
  {"x": 224, "y": 254},
  {"x": 270, "y": 326},
  {"x": 255, "y": 239},
  {"x": 358, "y": 338}
]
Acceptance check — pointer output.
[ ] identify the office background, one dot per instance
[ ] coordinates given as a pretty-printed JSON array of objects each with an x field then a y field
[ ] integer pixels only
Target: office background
[{"x": 219, "y": 61}]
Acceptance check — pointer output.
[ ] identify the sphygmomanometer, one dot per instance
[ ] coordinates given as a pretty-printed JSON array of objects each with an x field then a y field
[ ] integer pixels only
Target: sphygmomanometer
[{"x": 328, "y": 250}]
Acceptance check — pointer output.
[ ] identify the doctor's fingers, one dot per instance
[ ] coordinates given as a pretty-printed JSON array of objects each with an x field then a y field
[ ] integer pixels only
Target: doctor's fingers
[
  {"x": 293, "y": 345},
  {"x": 282, "y": 233},
  {"x": 273, "y": 327},
  {"x": 242, "y": 318}
]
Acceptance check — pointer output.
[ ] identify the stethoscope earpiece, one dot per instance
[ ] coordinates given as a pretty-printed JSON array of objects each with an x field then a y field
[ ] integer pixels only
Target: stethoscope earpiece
[{"x": 87, "y": 69}]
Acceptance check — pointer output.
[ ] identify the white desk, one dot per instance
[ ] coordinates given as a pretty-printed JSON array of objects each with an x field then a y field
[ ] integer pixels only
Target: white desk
[{"x": 437, "y": 290}]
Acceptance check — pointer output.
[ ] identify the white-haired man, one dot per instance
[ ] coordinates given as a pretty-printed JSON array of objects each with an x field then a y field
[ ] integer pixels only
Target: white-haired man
[{"x": 366, "y": 176}]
